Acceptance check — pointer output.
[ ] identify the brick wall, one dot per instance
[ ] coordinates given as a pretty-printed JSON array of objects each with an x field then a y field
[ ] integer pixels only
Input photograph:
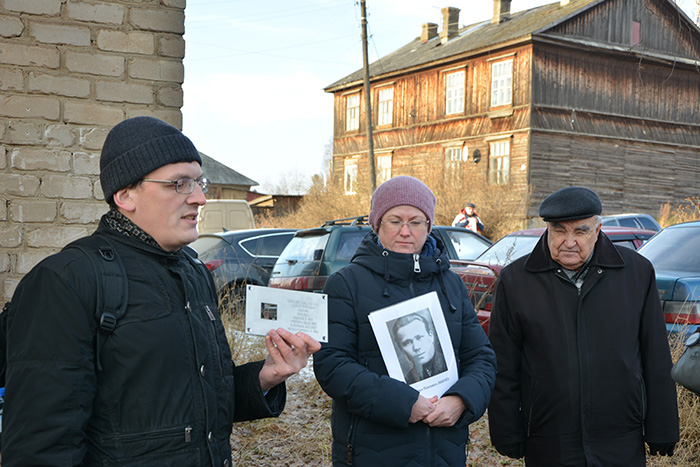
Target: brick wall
[{"x": 69, "y": 71}]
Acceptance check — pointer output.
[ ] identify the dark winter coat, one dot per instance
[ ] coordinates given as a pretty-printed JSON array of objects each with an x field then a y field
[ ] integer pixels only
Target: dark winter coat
[
  {"x": 168, "y": 391},
  {"x": 583, "y": 378},
  {"x": 371, "y": 410}
]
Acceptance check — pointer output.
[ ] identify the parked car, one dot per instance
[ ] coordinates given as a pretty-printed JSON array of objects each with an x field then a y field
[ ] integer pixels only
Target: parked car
[
  {"x": 633, "y": 220},
  {"x": 240, "y": 257},
  {"x": 675, "y": 254},
  {"x": 314, "y": 254},
  {"x": 480, "y": 275}
]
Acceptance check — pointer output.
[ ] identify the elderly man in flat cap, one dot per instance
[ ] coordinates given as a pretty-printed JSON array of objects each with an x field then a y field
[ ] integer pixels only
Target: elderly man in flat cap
[{"x": 583, "y": 359}]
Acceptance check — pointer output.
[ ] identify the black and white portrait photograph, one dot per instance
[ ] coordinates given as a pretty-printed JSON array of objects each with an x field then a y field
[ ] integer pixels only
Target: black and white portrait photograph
[{"x": 417, "y": 346}]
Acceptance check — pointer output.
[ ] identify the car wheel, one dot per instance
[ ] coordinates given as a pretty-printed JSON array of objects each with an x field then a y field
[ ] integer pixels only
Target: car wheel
[{"x": 232, "y": 300}]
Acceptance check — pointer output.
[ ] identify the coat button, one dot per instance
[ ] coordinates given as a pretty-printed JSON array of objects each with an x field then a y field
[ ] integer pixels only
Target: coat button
[
  {"x": 210, "y": 437},
  {"x": 202, "y": 371}
]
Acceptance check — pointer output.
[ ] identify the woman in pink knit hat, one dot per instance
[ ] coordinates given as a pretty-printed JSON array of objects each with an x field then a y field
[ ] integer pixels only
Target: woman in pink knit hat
[{"x": 379, "y": 420}]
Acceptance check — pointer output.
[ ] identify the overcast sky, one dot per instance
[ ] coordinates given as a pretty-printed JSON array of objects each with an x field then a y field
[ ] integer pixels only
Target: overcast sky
[{"x": 255, "y": 73}]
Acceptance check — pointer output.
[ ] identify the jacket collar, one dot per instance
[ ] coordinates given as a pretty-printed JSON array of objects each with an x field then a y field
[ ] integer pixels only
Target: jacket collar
[
  {"x": 122, "y": 229},
  {"x": 604, "y": 255},
  {"x": 399, "y": 266}
]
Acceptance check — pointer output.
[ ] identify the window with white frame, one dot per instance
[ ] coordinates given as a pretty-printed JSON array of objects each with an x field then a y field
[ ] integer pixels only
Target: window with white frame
[
  {"x": 499, "y": 162},
  {"x": 386, "y": 106},
  {"x": 383, "y": 168},
  {"x": 502, "y": 83},
  {"x": 350, "y": 176},
  {"x": 352, "y": 106},
  {"x": 454, "y": 92},
  {"x": 453, "y": 162}
]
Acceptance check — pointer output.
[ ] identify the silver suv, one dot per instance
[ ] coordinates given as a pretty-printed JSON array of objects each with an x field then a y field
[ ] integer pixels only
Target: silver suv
[{"x": 633, "y": 220}]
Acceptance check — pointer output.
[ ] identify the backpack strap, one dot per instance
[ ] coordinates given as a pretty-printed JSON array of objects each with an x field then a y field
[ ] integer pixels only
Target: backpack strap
[{"x": 112, "y": 290}]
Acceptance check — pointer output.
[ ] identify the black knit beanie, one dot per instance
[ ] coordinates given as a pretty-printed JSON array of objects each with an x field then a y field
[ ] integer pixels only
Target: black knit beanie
[{"x": 138, "y": 146}]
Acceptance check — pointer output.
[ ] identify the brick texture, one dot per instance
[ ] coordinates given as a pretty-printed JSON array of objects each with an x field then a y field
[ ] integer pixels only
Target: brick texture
[
  {"x": 102, "y": 13},
  {"x": 10, "y": 26},
  {"x": 34, "y": 7},
  {"x": 58, "y": 34},
  {"x": 33, "y": 211},
  {"x": 69, "y": 71},
  {"x": 129, "y": 42}
]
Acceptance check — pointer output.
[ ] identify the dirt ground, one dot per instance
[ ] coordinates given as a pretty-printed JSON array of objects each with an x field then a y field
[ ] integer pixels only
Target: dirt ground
[{"x": 300, "y": 437}]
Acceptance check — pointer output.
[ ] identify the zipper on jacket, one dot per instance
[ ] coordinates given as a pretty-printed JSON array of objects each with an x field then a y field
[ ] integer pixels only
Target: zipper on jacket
[
  {"x": 188, "y": 434},
  {"x": 211, "y": 315},
  {"x": 351, "y": 432},
  {"x": 643, "y": 388},
  {"x": 188, "y": 307},
  {"x": 416, "y": 263}
]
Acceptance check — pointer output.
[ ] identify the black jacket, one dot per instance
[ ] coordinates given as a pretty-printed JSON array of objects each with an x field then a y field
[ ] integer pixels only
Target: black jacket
[
  {"x": 370, "y": 409},
  {"x": 584, "y": 378},
  {"x": 168, "y": 392}
]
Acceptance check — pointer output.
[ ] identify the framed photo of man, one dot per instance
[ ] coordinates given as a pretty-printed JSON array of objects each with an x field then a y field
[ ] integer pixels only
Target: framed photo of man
[{"x": 415, "y": 344}]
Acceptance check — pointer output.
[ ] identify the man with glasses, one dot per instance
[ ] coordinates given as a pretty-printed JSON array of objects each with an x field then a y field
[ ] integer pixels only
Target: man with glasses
[{"x": 158, "y": 387}]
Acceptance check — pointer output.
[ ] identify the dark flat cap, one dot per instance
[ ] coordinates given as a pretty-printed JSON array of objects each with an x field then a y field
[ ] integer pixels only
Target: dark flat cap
[{"x": 570, "y": 203}]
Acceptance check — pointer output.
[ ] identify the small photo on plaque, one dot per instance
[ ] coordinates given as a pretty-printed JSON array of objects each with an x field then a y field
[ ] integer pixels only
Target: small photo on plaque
[
  {"x": 268, "y": 311},
  {"x": 271, "y": 308}
]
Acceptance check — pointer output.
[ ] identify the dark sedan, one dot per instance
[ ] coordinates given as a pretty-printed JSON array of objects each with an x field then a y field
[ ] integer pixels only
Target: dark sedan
[
  {"x": 675, "y": 254},
  {"x": 241, "y": 257}
]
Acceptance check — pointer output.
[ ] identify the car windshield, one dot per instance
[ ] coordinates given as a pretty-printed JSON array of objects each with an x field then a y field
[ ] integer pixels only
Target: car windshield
[
  {"x": 676, "y": 249},
  {"x": 348, "y": 243},
  {"x": 466, "y": 245},
  {"x": 208, "y": 246},
  {"x": 507, "y": 249},
  {"x": 303, "y": 248}
]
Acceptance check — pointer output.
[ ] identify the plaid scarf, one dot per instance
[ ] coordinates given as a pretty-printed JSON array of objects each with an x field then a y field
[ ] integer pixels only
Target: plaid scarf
[{"x": 120, "y": 223}]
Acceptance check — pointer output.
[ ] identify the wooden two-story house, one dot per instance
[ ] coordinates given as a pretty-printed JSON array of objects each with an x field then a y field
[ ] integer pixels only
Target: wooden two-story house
[{"x": 600, "y": 93}]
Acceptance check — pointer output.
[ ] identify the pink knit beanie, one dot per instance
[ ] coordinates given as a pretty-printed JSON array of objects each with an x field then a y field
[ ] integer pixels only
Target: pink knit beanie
[{"x": 398, "y": 191}]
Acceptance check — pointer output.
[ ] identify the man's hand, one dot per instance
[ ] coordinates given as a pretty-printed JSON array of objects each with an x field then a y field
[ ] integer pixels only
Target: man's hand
[
  {"x": 287, "y": 354},
  {"x": 661, "y": 449},
  {"x": 447, "y": 411},
  {"x": 421, "y": 408},
  {"x": 514, "y": 451}
]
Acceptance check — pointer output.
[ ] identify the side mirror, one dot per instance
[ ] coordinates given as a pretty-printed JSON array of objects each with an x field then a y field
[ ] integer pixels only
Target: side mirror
[{"x": 318, "y": 254}]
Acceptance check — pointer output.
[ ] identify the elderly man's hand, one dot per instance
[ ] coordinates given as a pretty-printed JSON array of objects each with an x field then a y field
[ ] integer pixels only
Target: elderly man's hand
[{"x": 287, "y": 354}]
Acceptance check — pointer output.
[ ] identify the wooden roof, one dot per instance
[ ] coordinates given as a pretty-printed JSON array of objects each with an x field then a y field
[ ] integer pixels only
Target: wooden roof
[{"x": 485, "y": 36}]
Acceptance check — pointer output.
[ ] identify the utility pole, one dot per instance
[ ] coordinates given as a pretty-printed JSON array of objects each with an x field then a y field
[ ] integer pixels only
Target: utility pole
[{"x": 368, "y": 100}]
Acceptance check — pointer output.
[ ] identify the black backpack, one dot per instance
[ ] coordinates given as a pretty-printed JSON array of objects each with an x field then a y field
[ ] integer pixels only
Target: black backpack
[
  {"x": 112, "y": 293},
  {"x": 112, "y": 286}
]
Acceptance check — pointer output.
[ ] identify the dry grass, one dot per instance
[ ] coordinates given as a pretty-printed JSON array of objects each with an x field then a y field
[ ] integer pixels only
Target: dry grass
[
  {"x": 499, "y": 206},
  {"x": 689, "y": 210},
  {"x": 687, "y": 452}
]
